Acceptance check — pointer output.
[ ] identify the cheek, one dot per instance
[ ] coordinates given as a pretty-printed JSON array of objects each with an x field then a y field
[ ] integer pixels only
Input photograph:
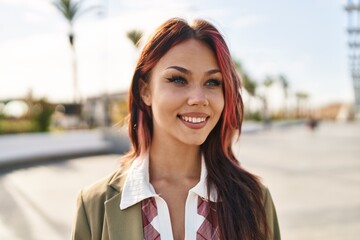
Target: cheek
[
  {"x": 166, "y": 102},
  {"x": 169, "y": 97},
  {"x": 218, "y": 103}
]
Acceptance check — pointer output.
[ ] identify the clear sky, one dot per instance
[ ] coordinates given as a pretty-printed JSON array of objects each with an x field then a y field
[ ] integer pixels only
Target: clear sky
[{"x": 304, "y": 40}]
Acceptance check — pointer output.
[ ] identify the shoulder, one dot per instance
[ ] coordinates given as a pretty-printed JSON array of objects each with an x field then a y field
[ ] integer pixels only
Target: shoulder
[
  {"x": 90, "y": 209},
  {"x": 270, "y": 212},
  {"x": 265, "y": 192},
  {"x": 100, "y": 190},
  {"x": 97, "y": 189},
  {"x": 91, "y": 199},
  {"x": 266, "y": 197}
]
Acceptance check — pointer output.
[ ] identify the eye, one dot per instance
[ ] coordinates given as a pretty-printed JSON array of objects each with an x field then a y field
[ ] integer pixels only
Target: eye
[
  {"x": 177, "y": 80},
  {"x": 213, "y": 83}
]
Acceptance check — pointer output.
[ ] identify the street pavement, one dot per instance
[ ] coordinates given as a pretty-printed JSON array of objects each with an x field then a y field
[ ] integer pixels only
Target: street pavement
[{"x": 314, "y": 179}]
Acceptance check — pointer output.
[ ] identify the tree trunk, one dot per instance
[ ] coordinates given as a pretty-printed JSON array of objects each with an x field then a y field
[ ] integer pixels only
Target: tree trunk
[{"x": 76, "y": 97}]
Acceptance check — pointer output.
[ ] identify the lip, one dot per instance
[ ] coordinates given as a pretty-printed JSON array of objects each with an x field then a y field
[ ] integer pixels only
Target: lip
[
  {"x": 194, "y": 114},
  {"x": 194, "y": 120}
]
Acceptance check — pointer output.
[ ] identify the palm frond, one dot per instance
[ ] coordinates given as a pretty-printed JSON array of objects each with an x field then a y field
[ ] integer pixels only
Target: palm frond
[
  {"x": 135, "y": 36},
  {"x": 71, "y": 9}
]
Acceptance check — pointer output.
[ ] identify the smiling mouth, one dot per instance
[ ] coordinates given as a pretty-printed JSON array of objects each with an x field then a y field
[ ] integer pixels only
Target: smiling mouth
[{"x": 193, "y": 119}]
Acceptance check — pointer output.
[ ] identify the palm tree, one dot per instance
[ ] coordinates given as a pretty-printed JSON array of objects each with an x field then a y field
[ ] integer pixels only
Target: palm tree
[
  {"x": 71, "y": 10},
  {"x": 301, "y": 98},
  {"x": 246, "y": 81},
  {"x": 268, "y": 82},
  {"x": 285, "y": 86},
  {"x": 135, "y": 36}
]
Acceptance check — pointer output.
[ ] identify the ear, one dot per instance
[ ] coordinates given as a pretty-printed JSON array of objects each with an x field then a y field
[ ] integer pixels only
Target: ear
[{"x": 145, "y": 92}]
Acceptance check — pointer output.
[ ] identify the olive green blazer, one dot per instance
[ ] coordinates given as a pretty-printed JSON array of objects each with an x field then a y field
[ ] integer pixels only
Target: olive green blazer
[{"x": 99, "y": 216}]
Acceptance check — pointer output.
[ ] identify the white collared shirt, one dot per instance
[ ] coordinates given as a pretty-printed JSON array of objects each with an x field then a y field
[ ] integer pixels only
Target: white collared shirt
[{"x": 137, "y": 187}]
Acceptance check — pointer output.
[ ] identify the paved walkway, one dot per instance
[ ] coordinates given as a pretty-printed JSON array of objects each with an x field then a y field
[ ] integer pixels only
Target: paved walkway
[
  {"x": 27, "y": 148},
  {"x": 314, "y": 178}
]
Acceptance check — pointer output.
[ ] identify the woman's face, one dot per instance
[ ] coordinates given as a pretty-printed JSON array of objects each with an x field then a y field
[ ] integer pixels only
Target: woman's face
[{"x": 185, "y": 93}]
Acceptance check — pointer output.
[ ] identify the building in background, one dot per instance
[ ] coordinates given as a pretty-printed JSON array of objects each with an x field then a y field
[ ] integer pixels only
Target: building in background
[
  {"x": 353, "y": 10},
  {"x": 105, "y": 110}
]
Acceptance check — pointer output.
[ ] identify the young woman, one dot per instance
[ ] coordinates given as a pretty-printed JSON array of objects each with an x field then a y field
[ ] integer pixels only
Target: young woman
[{"x": 181, "y": 179}]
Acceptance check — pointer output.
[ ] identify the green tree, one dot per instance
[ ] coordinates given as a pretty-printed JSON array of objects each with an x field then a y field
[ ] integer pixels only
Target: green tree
[
  {"x": 301, "y": 98},
  {"x": 135, "y": 36},
  {"x": 267, "y": 83},
  {"x": 246, "y": 82},
  {"x": 71, "y": 11},
  {"x": 285, "y": 86},
  {"x": 43, "y": 117}
]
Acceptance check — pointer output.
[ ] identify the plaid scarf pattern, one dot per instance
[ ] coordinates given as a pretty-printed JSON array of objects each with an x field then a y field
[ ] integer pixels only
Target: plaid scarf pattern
[
  {"x": 149, "y": 212},
  {"x": 208, "y": 230}
]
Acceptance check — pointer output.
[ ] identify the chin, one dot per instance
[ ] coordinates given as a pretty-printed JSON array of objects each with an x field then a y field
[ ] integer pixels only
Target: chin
[
  {"x": 196, "y": 139},
  {"x": 196, "y": 142}
]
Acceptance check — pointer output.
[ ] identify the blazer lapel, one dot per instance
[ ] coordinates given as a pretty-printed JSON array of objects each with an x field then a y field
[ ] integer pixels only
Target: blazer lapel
[{"x": 122, "y": 224}]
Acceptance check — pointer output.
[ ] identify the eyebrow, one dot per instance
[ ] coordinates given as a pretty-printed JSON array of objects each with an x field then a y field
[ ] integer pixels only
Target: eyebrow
[{"x": 186, "y": 71}]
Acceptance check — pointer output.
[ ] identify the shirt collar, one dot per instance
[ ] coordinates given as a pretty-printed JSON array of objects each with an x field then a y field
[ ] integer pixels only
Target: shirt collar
[
  {"x": 201, "y": 187},
  {"x": 137, "y": 185}
]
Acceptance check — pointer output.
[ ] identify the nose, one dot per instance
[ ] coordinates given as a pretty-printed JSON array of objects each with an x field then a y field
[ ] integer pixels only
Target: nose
[{"x": 197, "y": 96}]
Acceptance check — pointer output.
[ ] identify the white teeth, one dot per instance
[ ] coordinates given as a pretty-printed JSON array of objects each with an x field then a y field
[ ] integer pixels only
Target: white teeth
[{"x": 193, "y": 119}]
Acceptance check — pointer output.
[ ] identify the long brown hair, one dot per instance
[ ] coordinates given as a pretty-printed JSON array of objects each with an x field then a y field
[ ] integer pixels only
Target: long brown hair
[{"x": 240, "y": 210}]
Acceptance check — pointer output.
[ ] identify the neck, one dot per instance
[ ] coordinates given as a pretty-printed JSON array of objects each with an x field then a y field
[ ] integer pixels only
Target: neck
[{"x": 174, "y": 162}]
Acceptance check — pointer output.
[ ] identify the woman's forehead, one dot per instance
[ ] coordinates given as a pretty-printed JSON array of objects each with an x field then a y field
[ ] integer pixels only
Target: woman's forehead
[{"x": 190, "y": 54}]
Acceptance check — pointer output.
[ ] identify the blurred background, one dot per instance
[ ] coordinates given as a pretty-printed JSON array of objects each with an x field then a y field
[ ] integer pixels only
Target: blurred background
[{"x": 65, "y": 70}]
